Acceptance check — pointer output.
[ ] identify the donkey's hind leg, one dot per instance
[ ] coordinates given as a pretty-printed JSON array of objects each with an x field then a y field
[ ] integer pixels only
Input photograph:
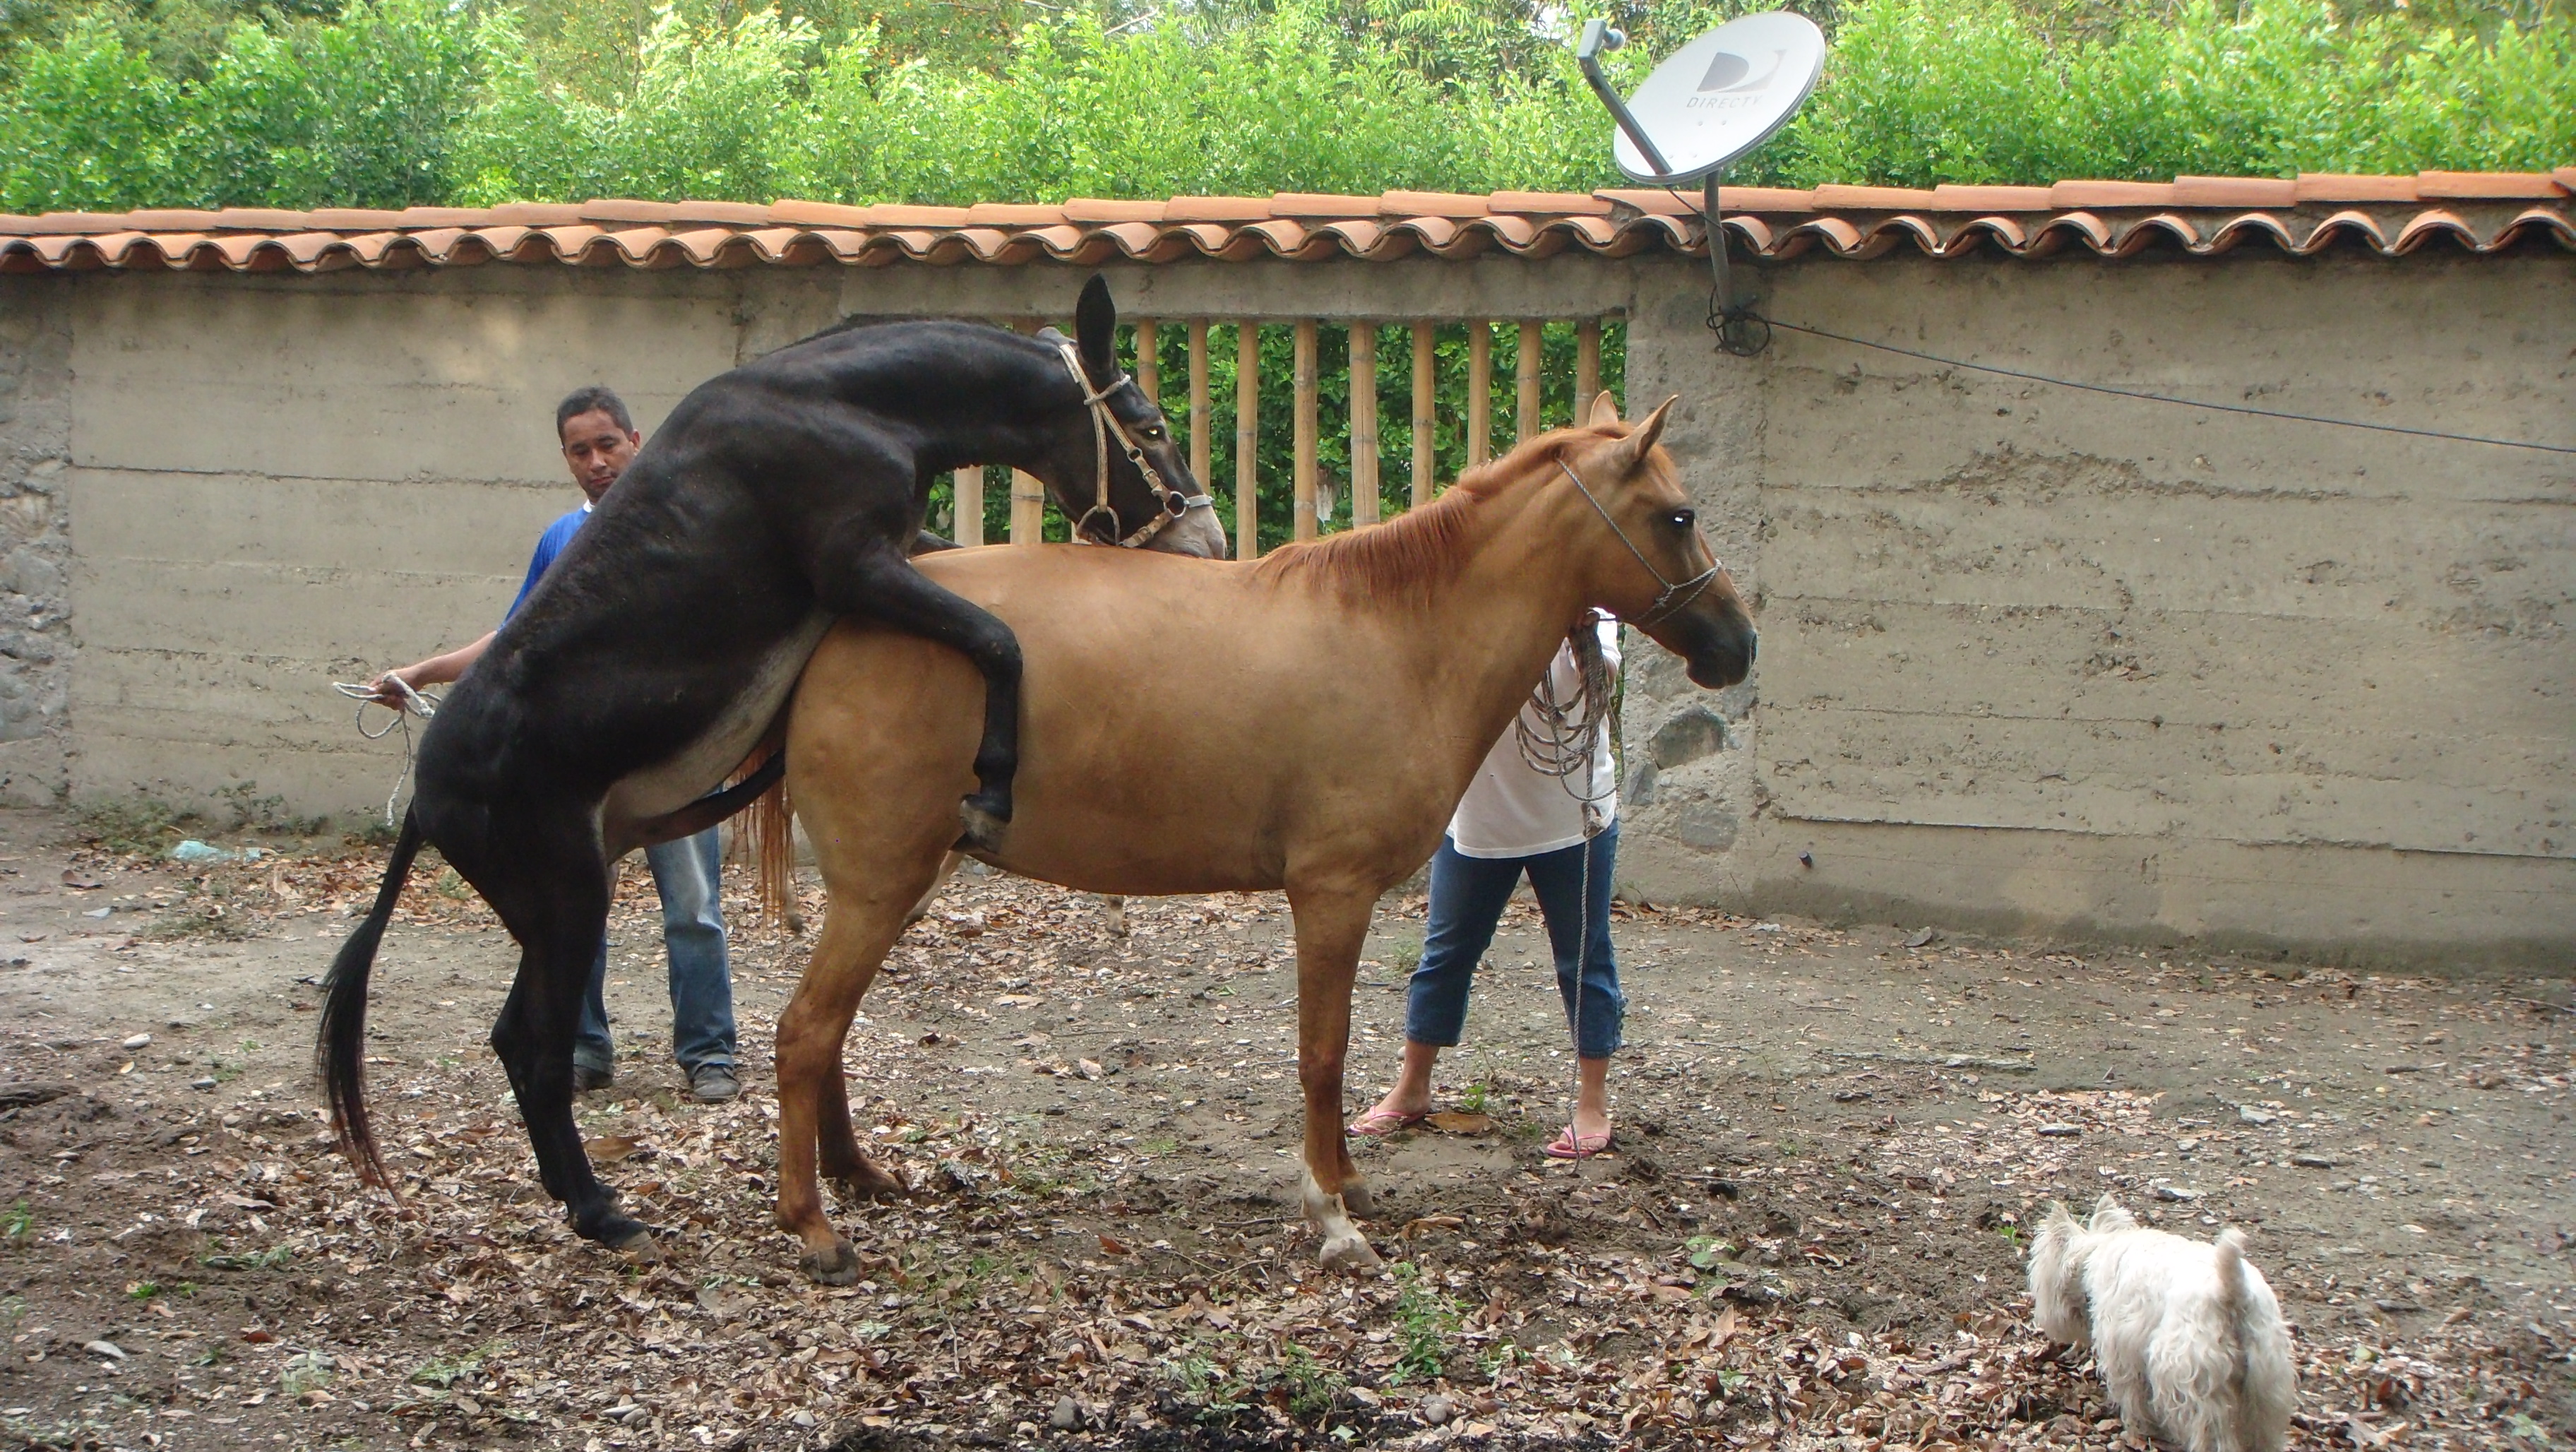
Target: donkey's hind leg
[
  {"x": 558, "y": 915},
  {"x": 882, "y": 585},
  {"x": 813, "y": 1103}
]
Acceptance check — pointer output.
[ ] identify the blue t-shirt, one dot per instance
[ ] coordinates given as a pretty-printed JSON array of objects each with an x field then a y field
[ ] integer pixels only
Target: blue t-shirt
[{"x": 549, "y": 545}]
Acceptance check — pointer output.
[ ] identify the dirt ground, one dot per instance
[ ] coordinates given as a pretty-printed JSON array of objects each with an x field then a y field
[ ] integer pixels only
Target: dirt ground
[{"x": 1809, "y": 1235}]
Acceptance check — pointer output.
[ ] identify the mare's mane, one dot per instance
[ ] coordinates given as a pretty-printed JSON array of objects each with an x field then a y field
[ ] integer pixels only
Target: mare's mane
[{"x": 1408, "y": 558}]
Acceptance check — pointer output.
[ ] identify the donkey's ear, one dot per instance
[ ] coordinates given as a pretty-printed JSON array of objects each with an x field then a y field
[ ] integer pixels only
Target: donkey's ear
[
  {"x": 1641, "y": 439},
  {"x": 1605, "y": 411},
  {"x": 1095, "y": 330}
]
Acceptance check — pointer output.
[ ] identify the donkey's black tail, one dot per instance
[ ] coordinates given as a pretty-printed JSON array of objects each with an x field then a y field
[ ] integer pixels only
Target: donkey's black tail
[{"x": 341, "y": 1052}]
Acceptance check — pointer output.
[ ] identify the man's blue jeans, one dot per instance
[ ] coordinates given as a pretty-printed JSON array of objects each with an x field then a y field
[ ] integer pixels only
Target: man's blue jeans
[
  {"x": 686, "y": 873},
  {"x": 1467, "y": 899}
]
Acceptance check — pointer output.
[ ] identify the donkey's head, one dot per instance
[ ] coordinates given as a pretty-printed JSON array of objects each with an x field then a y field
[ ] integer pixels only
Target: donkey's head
[
  {"x": 1665, "y": 581},
  {"x": 1115, "y": 470}
]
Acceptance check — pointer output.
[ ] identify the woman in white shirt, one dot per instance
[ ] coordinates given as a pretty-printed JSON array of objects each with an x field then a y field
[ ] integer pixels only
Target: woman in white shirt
[{"x": 1516, "y": 819}]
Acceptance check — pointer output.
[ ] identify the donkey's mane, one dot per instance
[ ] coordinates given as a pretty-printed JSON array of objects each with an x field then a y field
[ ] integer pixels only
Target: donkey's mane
[{"x": 1408, "y": 558}]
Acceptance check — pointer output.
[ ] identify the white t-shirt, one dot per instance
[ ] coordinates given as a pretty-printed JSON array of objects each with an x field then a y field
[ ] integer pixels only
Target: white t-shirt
[{"x": 1511, "y": 810}]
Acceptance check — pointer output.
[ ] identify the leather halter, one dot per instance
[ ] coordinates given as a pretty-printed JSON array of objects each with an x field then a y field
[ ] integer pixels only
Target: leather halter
[
  {"x": 1675, "y": 594},
  {"x": 1174, "y": 504}
]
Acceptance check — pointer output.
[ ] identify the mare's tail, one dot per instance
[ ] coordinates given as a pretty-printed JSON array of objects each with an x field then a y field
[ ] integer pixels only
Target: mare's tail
[
  {"x": 341, "y": 1050},
  {"x": 769, "y": 840}
]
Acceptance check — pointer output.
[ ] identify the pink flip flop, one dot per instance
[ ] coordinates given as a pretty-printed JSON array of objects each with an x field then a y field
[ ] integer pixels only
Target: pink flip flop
[
  {"x": 1379, "y": 1123},
  {"x": 1569, "y": 1146}
]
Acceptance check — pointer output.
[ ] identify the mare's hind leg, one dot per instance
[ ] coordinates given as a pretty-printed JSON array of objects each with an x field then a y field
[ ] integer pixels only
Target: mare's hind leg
[
  {"x": 557, "y": 911},
  {"x": 855, "y": 938},
  {"x": 882, "y": 585},
  {"x": 843, "y": 1161},
  {"x": 1331, "y": 924}
]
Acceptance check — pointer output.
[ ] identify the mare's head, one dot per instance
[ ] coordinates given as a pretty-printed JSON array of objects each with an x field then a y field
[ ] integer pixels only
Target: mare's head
[
  {"x": 1150, "y": 499},
  {"x": 1646, "y": 561}
]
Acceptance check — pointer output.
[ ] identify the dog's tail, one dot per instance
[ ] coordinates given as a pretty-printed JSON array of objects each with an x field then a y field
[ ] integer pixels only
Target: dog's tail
[
  {"x": 341, "y": 1048},
  {"x": 2235, "y": 1304}
]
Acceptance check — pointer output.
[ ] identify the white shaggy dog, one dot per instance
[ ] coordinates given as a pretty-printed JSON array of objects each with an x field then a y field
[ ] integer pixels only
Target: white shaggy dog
[{"x": 2187, "y": 1336}]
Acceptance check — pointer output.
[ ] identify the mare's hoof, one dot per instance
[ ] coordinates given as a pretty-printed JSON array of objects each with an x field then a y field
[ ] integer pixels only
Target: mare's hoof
[
  {"x": 870, "y": 1183},
  {"x": 838, "y": 1266},
  {"x": 1358, "y": 1199},
  {"x": 1350, "y": 1253}
]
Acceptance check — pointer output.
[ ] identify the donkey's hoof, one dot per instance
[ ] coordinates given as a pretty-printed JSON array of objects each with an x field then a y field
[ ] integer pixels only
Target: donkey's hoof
[
  {"x": 1358, "y": 1198},
  {"x": 838, "y": 1266},
  {"x": 1350, "y": 1253},
  {"x": 640, "y": 1244},
  {"x": 986, "y": 814}
]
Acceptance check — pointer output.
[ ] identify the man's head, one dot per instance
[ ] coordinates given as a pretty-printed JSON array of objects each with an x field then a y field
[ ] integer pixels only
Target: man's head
[{"x": 598, "y": 436}]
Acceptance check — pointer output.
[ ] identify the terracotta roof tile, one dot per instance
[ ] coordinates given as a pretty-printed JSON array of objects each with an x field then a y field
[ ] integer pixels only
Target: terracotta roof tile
[
  {"x": 2200, "y": 216},
  {"x": 1572, "y": 204},
  {"x": 2111, "y": 194},
  {"x": 2466, "y": 185},
  {"x": 2233, "y": 191},
  {"x": 1435, "y": 204},
  {"x": 2323, "y": 186},
  {"x": 1982, "y": 199},
  {"x": 1322, "y": 204},
  {"x": 1093, "y": 209}
]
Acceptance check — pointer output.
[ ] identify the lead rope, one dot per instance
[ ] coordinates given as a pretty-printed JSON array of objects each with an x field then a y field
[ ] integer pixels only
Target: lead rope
[
  {"x": 1568, "y": 738},
  {"x": 414, "y": 702}
]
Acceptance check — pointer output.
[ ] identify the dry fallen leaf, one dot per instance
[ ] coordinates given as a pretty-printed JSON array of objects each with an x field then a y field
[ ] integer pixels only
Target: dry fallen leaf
[
  {"x": 1111, "y": 1247},
  {"x": 608, "y": 1149},
  {"x": 1451, "y": 1121},
  {"x": 1421, "y": 1223}
]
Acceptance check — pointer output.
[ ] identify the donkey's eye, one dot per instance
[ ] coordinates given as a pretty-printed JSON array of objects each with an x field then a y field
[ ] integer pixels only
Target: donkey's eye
[
  {"x": 1683, "y": 518},
  {"x": 1152, "y": 431}
]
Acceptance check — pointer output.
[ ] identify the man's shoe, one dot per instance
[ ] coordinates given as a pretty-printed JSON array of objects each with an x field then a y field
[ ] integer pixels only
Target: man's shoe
[
  {"x": 714, "y": 1083},
  {"x": 585, "y": 1079}
]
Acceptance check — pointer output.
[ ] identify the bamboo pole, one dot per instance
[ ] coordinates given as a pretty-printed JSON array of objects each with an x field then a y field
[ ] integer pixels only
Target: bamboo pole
[
  {"x": 1426, "y": 439},
  {"x": 1028, "y": 496},
  {"x": 1525, "y": 361},
  {"x": 1587, "y": 366},
  {"x": 1149, "y": 363},
  {"x": 1200, "y": 443},
  {"x": 1480, "y": 391},
  {"x": 970, "y": 506},
  {"x": 1363, "y": 424},
  {"x": 1307, "y": 522},
  {"x": 1247, "y": 441}
]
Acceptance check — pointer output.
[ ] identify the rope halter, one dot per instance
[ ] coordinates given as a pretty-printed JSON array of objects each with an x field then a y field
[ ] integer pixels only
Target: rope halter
[
  {"x": 1173, "y": 504},
  {"x": 1675, "y": 593}
]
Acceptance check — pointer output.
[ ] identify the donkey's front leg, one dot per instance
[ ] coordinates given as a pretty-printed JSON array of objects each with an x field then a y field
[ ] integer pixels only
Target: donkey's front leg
[{"x": 1331, "y": 925}]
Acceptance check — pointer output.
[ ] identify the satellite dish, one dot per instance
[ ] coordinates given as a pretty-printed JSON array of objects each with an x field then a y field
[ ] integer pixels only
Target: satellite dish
[
  {"x": 1721, "y": 96},
  {"x": 1707, "y": 105}
]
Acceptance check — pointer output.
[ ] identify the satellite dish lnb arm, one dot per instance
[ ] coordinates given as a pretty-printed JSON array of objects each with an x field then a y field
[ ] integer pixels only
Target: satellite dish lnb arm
[{"x": 1598, "y": 36}]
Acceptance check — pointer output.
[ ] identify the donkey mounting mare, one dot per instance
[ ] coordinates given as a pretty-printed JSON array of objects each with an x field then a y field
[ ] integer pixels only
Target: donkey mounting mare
[
  {"x": 660, "y": 650},
  {"x": 1307, "y": 722}
]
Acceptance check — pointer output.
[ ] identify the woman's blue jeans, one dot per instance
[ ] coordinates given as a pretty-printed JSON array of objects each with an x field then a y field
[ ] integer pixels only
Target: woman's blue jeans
[
  {"x": 687, "y": 874},
  {"x": 1467, "y": 899}
]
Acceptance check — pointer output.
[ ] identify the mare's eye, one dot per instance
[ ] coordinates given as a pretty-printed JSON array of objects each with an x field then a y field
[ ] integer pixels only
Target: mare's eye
[{"x": 1683, "y": 518}]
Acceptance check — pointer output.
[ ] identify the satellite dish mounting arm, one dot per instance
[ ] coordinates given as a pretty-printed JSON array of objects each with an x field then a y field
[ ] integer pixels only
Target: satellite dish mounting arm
[{"x": 1601, "y": 35}]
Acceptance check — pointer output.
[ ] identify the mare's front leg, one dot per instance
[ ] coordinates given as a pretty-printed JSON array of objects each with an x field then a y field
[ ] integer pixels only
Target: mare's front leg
[
  {"x": 882, "y": 585},
  {"x": 1331, "y": 926}
]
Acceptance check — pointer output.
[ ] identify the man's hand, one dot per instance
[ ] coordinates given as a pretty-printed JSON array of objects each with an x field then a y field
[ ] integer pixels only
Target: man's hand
[{"x": 393, "y": 688}]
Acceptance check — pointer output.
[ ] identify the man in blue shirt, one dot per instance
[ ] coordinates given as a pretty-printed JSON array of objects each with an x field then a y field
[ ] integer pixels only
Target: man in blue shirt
[{"x": 599, "y": 439}]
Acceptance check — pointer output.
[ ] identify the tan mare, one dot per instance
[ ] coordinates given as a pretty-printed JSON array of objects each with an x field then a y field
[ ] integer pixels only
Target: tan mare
[{"x": 1306, "y": 722}]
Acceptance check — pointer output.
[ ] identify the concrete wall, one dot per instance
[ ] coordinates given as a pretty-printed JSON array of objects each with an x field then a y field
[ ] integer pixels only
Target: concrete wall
[
  {"x": 2033, "y": 659},
  {"x": 2041, "y": 659}
]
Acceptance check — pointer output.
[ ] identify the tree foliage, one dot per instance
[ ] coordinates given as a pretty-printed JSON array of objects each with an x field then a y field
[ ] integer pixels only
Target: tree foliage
[{"x": 390, "y": 102}]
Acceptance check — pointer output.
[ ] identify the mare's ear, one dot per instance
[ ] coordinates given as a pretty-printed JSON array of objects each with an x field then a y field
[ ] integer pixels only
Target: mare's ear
[
  {"x": 1631, "y": 451},
  {"x": 1095, "y": 331},
  {"x": 1605, "y": 411}
]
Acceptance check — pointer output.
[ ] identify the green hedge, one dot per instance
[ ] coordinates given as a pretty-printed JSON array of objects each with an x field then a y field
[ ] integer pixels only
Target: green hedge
[{"x": 410, "y": 101}]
